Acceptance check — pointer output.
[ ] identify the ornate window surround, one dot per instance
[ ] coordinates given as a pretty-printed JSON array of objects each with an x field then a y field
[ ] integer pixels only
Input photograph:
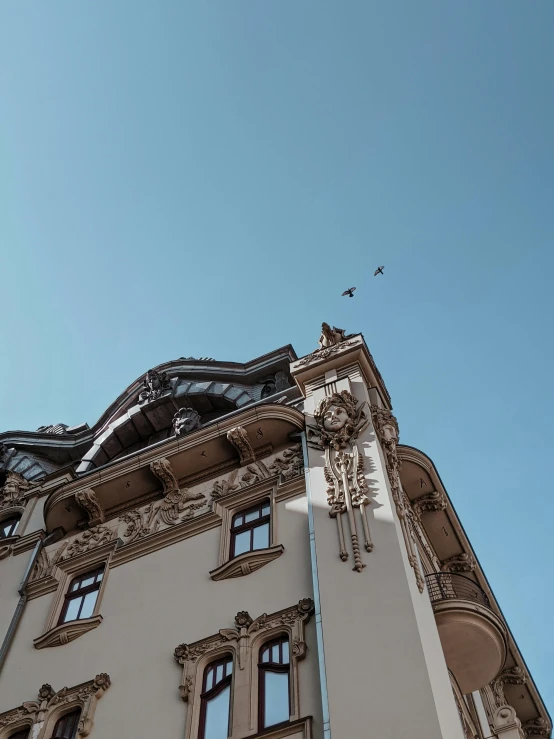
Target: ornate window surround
[
  {"x": 243, "y": 642},
  {"x": 56, "y": 634},
  {"x": 226, "y": 508},
  {"x": 40, "y": 716}
]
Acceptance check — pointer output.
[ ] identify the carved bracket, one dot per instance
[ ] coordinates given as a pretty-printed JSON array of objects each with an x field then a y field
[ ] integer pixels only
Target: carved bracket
[
  {"x": 459, "y": 563},
  {"x": 509, "y": 676},
  {"x": 239, "y": 439},
  {"x": 175, "y": 499},
  {"x": 89, "y": 502},
  {"x": 435, "y": 501}
]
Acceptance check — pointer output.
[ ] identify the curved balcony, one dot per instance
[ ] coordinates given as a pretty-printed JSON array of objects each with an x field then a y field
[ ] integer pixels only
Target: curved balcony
[{"x": 473, "y": 638}]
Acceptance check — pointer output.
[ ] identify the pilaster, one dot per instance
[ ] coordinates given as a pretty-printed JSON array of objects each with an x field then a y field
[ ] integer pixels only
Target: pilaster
[{"x": 386, "y": 673}]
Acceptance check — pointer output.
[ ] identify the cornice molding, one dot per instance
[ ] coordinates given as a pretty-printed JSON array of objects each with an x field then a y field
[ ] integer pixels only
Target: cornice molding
[
  {"x": 247, "y": 563},
  {"x": 64, "y": 633},
  {"x": 251, "y": 415}
]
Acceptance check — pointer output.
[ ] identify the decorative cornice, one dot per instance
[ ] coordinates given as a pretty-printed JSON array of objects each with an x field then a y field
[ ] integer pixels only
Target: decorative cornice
[
  {"x": 64, "y": 633},
  {"x": 246, "y": 563},
  {"x": 459, "y": 563}
]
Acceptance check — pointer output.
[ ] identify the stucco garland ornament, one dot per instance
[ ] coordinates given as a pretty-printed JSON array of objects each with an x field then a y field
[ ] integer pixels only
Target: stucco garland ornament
[{"x": 339, "y": 423}]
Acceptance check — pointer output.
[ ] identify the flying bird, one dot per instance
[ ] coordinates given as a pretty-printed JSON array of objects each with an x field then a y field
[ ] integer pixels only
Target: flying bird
[
  {"x": 379, "y": 271},
  {"x": 349, "y": 292}
]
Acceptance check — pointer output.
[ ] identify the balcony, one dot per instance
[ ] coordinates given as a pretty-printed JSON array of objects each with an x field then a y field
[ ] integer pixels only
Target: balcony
[{"x": 473, "y": 638}]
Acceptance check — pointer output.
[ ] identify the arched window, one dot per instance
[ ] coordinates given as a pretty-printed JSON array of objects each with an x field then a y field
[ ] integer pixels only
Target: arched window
[
  {"x": 216, "y": 699},
  {"x": 22, "y": 734},
  {"x": 250, "y": 529},
  {"x": 81, "y": 596},
  {"x": 274, "y": 683},
  {"x": 8, "y": 526},
  {"x": 66, "y": 726}
]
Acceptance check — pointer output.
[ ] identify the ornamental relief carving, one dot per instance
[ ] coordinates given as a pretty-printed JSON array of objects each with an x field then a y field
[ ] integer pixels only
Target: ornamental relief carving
[
  {"x": 89, "y": 502},
  {"x": 12, "y": 493},
  {"x": 287, "y": 465},
  {"x": 41, "y": 713},
  {"x": 435, "y": 501},
  {"x": 386, "y": 428},
  {"x": 537, "y": 727},
  {"x": 243, "y": 640},
  {"x": 509, "y": 676},
  {"x": 339, "y": 421}
]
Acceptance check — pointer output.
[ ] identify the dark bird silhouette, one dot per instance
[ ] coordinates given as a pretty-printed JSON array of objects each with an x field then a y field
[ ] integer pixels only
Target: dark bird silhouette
[
  {"x": 349, "y": 292},
  {"x": 379, "y": 271}
]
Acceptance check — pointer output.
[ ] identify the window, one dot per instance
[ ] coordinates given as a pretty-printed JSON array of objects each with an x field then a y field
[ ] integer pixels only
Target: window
[
  {"x": 274, "y": 690},
  {"x": 23, "y": 734},
  {"x": 250, "y": 529},
  {"x": 81, "y": 596},
  {"x": 8, "y": 526},
  {"x": 216, "y": 699},
  {"x": 66, "y": 726}
]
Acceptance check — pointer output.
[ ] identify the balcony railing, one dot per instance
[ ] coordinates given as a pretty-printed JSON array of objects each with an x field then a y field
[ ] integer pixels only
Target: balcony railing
[{"x": 448, "y": 586}]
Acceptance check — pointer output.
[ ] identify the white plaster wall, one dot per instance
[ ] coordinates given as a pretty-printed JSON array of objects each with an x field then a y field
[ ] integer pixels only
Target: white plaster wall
[{"x": 150, "y": 605}]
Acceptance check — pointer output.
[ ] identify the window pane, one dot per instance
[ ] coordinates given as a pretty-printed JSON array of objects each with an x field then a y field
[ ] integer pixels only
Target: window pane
[
  {"x": 242, "y": 543},
  {"x": 217, "y": 715},
  {"x": 276, "y": 708},
  {"x": 265, "y": 654},
  {"x": 210, "y": 679},
  {"x": 87, "y": 582},
  {"x": 275, "y": 653},
  {"x": 261, "y": 536},
  {"x": 23, "y": 734},
  {"x": 100, "y": 575},
  {"x": 66, "y": 727},
  {"x": 88, "y": 605},
  {"x": 238, "y": 520},
  {"x": 75, "y": 585},
  {"x": 72, "y": 609},
  {"x": 219, "y": 674},
  {"x": 252, "y": 516},
  {"x": 265, "y": 509},
  {"x": 285, "y": 652}
]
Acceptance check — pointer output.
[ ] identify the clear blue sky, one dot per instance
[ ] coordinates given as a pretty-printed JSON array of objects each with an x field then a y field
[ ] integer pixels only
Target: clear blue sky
[{"x": 205, "y": 178}]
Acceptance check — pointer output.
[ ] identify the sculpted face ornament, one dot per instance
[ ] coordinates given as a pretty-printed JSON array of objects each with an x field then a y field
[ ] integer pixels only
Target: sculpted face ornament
[
  {"x": 339, "y": 420},
  {"x": 155, "y": 383},
  {"x": 185, "y": 421}
]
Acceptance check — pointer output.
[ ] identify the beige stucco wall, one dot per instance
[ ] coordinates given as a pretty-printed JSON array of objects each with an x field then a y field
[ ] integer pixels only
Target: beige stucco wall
[{"x": 150, "y": 605}]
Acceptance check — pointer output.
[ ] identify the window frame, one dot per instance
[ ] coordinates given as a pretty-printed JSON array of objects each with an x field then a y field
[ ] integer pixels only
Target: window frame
[
  {"x": 250, "y": 526},
  {"x": 281, "y": 668},
  {"x": 75, "y": 712},
  {"x": 14, "y": 517},
  {"x": 206, "y": 695},
  {"x": 71, "y": 595}
]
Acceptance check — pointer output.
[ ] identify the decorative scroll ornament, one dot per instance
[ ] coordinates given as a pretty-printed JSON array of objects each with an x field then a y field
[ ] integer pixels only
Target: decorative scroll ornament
[
  {"x": 89, "y": 539},
  {"x": 175, "y": 499},
  {"x": 13, "y": 491},
  {"x": 339, "y": 422},
  {"x": 87, "y": 499},
  {"x": 293, "y": 619},
  {"x": 537, "y": 727},
  {"x": 431, "y": 502},
  {"x": 459, "y": 563},
  {"x": 155, "y": 384},
  {"x": 510, "y": 676},
  {"x": 239, "y": 439},
  {"x": 84, "y": 696},
  {"x": 386, "y": 428},
  {"x": 185, "y": 421}
]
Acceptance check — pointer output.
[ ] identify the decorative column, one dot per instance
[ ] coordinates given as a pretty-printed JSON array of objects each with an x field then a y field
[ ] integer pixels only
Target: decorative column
[{"x": 385, "y": 669}]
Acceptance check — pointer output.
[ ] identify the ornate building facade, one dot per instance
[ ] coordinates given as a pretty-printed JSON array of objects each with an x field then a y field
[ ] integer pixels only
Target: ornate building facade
[{"x": 247, "y": 550}]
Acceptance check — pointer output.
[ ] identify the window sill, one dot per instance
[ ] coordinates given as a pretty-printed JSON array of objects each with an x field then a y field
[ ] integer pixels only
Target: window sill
[
  {"x": 246, "y": 563},
  {"x": 64, "y": 633},
  {"x": 299, "y": 729}
]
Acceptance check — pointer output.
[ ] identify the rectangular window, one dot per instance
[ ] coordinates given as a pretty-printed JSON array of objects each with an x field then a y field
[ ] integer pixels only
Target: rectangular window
[
  {"x": 250, "y": 529},
  {"x": 81, "y": 596}
]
